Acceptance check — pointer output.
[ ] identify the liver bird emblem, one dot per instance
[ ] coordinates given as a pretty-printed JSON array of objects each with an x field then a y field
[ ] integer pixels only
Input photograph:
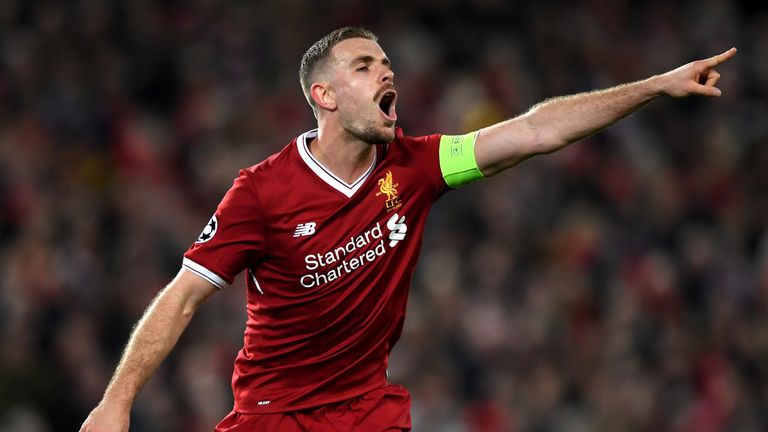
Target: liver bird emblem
[{"x": 386, "y": 186}]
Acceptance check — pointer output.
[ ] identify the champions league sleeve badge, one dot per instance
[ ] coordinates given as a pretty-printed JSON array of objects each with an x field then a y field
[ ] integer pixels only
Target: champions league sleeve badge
[{"x": 209, "y": 231}]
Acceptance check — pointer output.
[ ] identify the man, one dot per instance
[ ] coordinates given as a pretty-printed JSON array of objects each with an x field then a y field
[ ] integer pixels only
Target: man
[{"x": 329, "y": 256}]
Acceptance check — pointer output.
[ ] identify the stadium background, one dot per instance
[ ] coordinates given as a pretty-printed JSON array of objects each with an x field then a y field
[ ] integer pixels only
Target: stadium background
[{"x": 619, "y": 285}]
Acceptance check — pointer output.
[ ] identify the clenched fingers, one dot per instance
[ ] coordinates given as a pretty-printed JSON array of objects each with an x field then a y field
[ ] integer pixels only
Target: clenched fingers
[{"x": 711, "y": 79}]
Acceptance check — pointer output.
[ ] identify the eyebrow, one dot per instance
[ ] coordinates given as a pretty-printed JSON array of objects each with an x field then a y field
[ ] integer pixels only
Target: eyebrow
[{"x": 370, "y": 59}]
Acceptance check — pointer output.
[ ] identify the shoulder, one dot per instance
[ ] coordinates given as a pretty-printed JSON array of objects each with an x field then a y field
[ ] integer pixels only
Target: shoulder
[
  {"x": 412, "y": 146},
  {"x": 281, "y": 174},
  {"x": 275, "y": 167},
  {"x": 401, "y": 138},
  {"x": 249, "y": 186},
  {"x": 419, "y": 156},
  {"x": 272, "y": 163}
]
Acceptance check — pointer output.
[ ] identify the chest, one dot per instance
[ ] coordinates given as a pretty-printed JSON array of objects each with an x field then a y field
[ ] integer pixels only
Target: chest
[{"x": 314, "y": 226}]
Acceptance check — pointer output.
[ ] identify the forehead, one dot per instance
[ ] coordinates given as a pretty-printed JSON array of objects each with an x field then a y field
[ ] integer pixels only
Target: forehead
[{"x": 350, "y": 49}]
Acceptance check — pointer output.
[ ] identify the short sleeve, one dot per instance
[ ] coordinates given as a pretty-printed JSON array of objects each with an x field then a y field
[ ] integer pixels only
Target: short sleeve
[{"x": 233, "y": 237}]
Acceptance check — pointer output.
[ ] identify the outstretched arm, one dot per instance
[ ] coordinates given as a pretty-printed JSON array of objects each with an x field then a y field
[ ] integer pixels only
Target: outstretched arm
[
  {"x": 153, "y": 338},
  {"x": 557, "y": 122}
]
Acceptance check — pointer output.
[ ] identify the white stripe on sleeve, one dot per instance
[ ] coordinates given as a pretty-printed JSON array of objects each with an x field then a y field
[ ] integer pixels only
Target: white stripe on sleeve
[{"x": 204, "y": 273}]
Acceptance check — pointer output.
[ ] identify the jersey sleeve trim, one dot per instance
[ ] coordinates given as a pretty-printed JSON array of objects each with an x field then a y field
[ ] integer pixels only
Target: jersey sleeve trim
[
  {"x": 204, "y": 273},
  {"x": 457, "y": 159}
]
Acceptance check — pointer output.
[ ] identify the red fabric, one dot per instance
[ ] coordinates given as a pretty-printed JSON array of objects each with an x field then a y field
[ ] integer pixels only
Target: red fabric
[
  {"x": 311, "y": 340},
  {"x": 384, "y": 409}
]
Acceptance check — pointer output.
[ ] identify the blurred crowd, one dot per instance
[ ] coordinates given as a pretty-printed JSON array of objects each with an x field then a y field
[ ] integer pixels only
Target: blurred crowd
[{"x": 618, "y": 285}]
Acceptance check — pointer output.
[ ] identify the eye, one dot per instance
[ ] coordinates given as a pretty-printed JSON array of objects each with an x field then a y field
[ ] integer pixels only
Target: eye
[{"x": 362, "y": 68}]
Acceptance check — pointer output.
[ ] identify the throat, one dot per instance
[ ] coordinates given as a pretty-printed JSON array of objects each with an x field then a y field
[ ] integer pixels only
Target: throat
[{"x": 346, "y": 162}]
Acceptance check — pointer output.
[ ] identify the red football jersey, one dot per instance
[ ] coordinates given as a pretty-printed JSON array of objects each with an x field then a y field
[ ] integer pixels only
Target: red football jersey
[{"x": 329, "y": 265}]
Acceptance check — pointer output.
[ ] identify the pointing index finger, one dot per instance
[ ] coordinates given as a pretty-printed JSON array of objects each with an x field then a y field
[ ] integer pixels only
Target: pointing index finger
[{"x": 720, "y": 58}]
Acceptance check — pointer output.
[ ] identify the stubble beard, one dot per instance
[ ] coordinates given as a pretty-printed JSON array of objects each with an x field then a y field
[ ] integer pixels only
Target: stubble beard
[
  {"x": 375, "y": 136},
  {"x": 369, "y": 133}
]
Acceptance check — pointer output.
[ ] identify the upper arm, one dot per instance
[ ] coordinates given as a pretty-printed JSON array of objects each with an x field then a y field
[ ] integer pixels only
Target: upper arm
[
  {"x": 192, "y": 289},
  {"x": 233, "y": 239},
  {"x": 470, "y": 157},
  {"x": 458, "y": 164}
]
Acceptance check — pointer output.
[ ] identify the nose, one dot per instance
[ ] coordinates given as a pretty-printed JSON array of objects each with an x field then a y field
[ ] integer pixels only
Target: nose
[{"x": 388, "y": 76}]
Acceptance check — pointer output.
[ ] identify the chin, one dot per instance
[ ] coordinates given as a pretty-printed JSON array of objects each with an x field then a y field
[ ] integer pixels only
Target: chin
[
  {"x": 380, "y": 135},
  {"x": 388, "y": 135},
  {"x": 385, "y": 136}
]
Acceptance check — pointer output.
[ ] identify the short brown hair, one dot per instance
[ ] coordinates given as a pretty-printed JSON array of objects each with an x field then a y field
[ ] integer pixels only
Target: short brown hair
[{"x": 319, "y": 51}]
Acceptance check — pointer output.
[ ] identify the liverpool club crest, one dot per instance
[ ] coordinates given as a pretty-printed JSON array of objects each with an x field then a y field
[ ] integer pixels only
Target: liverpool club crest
[{"x": 388, "y": 187}]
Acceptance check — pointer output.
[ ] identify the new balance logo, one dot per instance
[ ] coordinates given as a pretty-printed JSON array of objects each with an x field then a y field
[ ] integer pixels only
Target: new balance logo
[{"x": 304, "y": 229}]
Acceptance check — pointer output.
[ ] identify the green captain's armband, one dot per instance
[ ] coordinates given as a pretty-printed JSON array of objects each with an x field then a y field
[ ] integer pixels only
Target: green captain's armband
[{"x": 457, "y": 159}]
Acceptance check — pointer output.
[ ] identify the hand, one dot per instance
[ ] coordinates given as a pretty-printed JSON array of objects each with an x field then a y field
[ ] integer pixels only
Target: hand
[
  {"x": 105, "y": 418},
  {"x": 698, "y": 77}
]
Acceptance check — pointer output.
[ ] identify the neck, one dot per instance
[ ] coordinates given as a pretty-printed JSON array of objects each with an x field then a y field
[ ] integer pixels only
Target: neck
[{"x": 344, "y": 155}]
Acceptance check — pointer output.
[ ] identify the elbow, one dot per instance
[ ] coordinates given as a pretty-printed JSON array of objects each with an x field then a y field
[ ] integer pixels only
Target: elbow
[
  {"x": 542, "y": 139},
  {"x": 189, "y": 307},
  {"x": 188, "y": 293},
  {"x": 174, "y": 299},
  {"x": 188, "y": 311},
  {"x": 504, "y": 145},
  {"x": 548, "y": 132}
]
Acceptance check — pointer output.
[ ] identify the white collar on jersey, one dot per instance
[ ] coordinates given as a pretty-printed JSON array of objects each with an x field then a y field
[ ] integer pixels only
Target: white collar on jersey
[{"x": 348, "y": 189}]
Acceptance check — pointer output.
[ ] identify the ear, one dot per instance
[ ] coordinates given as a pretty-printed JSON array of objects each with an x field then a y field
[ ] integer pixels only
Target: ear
[{"x": 323, "y": 96}]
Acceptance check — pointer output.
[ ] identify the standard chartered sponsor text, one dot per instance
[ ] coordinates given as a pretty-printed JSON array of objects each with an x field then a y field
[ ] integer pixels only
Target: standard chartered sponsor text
[{"x": 338, "y": 261}]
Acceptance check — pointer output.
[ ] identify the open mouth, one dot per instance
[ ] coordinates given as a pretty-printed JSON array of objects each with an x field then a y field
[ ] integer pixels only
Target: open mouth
[{"x": 387, "y": 105}]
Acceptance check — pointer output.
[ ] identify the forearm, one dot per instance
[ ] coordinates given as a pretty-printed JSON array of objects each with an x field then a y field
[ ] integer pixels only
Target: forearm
[
  {"x": 560, "y": 121},
  {"x": 152, "y": 339},
  {"x": 557, "y": 122}
]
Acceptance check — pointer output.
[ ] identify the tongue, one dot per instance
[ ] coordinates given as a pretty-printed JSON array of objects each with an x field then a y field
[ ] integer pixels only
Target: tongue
[{"x": 390, "y": 113}]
